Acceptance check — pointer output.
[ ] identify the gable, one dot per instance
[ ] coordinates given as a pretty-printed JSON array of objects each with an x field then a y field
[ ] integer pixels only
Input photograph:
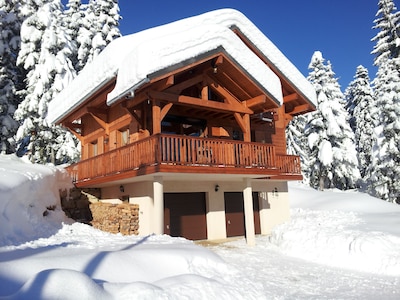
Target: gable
[{"x": 138, "y": 59}]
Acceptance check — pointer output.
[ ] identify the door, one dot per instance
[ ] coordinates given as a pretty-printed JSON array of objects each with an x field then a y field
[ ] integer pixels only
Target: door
[
  {"x": 185, "y": 215},
  {"x": 234, "y": 214}
]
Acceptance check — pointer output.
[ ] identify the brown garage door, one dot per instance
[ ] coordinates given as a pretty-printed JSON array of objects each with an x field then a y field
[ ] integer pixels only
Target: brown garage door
[
  {"x": 185, "y": 215},
  {"x": 234, "y": 214}
]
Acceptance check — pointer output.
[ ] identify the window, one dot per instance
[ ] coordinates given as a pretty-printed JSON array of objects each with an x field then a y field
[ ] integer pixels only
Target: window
[
  {"x": 124, "y": 135},
  {"x": 94, "y": 148}
]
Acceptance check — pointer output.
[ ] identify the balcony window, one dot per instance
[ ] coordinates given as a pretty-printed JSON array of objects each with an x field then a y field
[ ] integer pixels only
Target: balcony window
[
  {"x": 124, "y": 137},
  {"x": 94, "y": 150}
]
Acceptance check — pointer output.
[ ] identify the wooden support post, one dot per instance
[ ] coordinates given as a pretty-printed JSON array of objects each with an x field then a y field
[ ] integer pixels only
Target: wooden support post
[
  {"x": 156, "y": 116},
  {"x": 247, "y": 132},
  {"x": 244, "y": 124}
]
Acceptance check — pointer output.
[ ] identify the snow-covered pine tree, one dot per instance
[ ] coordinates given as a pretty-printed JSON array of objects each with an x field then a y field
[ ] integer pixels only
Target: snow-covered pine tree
[
  {"x": 74, "y": 15},
  {"x": 296, "y": 143},
  {"x": 333, "y": 159},
  {"x": 364, "y": 112},
  {"x": 45, "y": 52},
  {"x": 388, "y": 37},
  {"x": 99, "y": 27},
  {"x": 10, "y": 74},
  {"x": 384, "y": 172}
]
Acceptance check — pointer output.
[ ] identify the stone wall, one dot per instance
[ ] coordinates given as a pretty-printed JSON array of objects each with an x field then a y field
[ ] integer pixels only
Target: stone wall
[
  {"x": 83, "y": 205},
  {"x": 116, "y": 218}
]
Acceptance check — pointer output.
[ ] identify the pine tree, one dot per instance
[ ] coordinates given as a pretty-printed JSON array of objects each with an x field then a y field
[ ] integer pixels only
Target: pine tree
[
  {"x": 74, "y": 15},
  {"x": 388, "y": 38},
  {"x": 10, "y": 74},
  {"x": 99, "y": 27},
  {"x": 333, "y": 160},
  {"x": 45, "y": 52},
  {"x": 364, "y": 112},
  {"x": 384, "y": 172},
  {"x": 296, "y": 143}
]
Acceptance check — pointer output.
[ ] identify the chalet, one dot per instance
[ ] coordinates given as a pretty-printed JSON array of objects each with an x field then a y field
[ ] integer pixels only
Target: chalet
[{"x": 188, "y": 120}]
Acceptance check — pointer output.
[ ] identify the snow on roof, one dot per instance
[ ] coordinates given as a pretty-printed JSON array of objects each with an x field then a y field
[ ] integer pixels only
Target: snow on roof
[
  {"x": 165, "y": 52},
  {"x": 133, "y": 58}
]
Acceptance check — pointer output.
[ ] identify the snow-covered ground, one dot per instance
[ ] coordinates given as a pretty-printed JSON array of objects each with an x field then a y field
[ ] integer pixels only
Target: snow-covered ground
[{"x": 338, "y": 245}]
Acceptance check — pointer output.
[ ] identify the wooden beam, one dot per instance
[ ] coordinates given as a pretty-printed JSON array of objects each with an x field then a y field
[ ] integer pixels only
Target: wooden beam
[
  {"x": 178, "y": 88},
  {"x": 300, "y": 109},
  {"x": 102, "y": 123},
  {"x": 121, "y": 122},
  {"x": 204, "y": 93},
  {"x": 156, "y": 110},
  {"x": 288, "y": 118},
  {"x": 197, "y": 102},
  {"x": 240, "y": 121},
  {"x": 165, "y": 110},
  {"x": 95, "y": 110},
  {"x": 72, "y": 127},
  {"x": 256, "y": 101},
  {"x": 244, "y": 124},
  {"x": 219, "y": 60},
  {"x": 142, "y": 95},
  {"x": 132, "y": 113},
  {"x": 92, "y": 136},
  {"x": 231, "y": 99},
  {"x": 291, "y": 97}
]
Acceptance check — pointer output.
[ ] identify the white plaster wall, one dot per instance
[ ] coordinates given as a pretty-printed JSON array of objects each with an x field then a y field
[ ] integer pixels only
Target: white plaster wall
[
  {"x": 216, "y": 228},
  {"x": 145, "y": 211},
  {"x": 274, "y": 207}
]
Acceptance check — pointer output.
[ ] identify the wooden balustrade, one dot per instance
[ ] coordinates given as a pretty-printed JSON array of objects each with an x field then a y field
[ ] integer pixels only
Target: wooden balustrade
[{"x": 190, "y": 152}]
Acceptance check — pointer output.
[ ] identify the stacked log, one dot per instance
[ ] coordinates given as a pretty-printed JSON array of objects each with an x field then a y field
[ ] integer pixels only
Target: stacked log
[{"x": 116, "y": 218}]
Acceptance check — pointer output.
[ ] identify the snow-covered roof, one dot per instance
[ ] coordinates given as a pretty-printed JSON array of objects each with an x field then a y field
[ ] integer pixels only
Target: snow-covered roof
[{"x": 133, "y": 58}]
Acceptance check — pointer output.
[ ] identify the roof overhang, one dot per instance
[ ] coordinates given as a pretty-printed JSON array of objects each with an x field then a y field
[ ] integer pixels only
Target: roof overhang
[{"x": 132, "y": 60}]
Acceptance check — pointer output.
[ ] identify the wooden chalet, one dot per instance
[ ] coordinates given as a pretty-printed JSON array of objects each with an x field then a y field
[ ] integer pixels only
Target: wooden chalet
[{"x": 199, "y": 143}]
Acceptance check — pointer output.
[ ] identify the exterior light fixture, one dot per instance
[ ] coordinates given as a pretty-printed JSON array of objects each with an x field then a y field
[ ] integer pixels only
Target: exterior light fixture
[
  {"x": 275, "y": 192},
  {"x": 121, "y": 188},
  {"x": 216, "y": 188}
]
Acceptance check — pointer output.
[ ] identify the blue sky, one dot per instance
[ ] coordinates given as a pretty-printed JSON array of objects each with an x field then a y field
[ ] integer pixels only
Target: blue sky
[{"x": 340, "y": 29}]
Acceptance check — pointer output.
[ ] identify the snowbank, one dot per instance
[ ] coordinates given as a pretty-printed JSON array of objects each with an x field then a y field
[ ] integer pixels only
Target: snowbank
[
  {"x": 42, "y": 257},
  {"x": 344, "y": 229},
  {"x": 27, "y": 193}
]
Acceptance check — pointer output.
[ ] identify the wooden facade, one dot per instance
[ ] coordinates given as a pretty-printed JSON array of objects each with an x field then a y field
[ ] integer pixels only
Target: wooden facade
[{"x": 206, "y": 116}]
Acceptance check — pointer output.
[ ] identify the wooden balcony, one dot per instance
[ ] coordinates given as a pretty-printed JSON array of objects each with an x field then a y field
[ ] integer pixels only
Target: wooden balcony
[{"x": 183, "y": 154}]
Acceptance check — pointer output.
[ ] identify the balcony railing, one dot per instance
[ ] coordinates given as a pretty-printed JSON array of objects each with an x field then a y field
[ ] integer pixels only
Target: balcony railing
[{"x": 163, "y": 151}]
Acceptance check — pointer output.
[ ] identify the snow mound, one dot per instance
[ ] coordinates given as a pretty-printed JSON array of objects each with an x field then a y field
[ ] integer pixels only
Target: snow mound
[
  {"x": 345, "y": 229},
  {"x": 115, "y": 266},
  {"x": 334, "y": 238},
  {"x": 57, "y": 284},
  {"x": 29, "y": 200}
]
